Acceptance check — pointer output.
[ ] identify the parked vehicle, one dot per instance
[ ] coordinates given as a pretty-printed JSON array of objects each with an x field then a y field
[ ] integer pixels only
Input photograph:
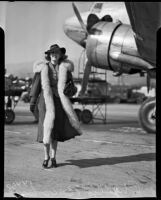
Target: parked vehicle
[{"x": 113, "y": 93}]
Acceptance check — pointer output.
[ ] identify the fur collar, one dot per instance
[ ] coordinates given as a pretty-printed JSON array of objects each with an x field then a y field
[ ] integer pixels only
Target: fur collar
[
  {"x": 38, "y": 66},
  {"x": 68, "y": 64}
]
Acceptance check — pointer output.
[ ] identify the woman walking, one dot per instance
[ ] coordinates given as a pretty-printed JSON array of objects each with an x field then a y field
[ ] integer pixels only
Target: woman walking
[{"x": 58, "y": 121}]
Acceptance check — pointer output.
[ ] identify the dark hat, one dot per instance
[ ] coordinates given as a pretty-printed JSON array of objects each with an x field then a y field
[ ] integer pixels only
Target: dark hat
[{"x": 56, "y": 49}]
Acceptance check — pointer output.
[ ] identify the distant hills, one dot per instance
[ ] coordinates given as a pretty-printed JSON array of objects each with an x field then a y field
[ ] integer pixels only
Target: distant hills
[{"x": 23, "y": 70}]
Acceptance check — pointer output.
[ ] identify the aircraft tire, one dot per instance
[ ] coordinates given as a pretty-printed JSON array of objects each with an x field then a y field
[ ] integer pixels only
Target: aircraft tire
[
  {"x": 9, "y": 116},
  {"x": 139, "y": 101},
  {"x": 86, "y": 116},
  {"x": 117, "y": 100},
  {"x": 78, "y": 112},
  {"x": 145, "y": 113}
]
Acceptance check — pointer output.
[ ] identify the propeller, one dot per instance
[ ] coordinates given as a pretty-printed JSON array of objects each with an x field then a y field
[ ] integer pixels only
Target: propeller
[
  {"x": 87, "y": 72},
  {"x": 79, "y": 18},
  {"x": 88, "y": 66},
  {"x": 91, "y": 20}
]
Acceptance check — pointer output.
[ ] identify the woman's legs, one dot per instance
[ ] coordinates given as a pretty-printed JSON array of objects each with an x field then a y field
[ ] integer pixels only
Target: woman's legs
[
  {"x": 54, "y": 144},
  {"x": 47, "y": 151},
  {"x": 47, "y": 155}
]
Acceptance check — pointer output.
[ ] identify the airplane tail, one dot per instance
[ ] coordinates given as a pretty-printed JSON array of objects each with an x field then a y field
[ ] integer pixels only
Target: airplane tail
[{"x": 96, "y": 8}]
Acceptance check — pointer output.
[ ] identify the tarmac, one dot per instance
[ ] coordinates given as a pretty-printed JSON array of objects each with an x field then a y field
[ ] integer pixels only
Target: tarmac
[{"x": 116, "y": 159}]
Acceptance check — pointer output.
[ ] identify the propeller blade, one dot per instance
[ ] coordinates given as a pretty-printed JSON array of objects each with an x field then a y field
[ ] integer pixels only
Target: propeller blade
[
  {"x": 87, "y": 72},
  {"x": 91, "y": 20},
  {"x": 79, "y": 18}
]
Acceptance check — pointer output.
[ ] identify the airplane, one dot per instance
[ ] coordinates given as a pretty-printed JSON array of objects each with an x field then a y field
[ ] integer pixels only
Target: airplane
[
  {"x": 116, "y": 44},
  {"x": 14, "y": 88},
  {"x": 74, "y": 30}
]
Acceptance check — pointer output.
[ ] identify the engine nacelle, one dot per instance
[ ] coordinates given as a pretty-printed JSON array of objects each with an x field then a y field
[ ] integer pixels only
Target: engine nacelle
[{"x": 112, "y": 46}]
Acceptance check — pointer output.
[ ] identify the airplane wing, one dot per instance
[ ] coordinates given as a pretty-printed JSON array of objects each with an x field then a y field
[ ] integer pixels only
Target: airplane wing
[{"x": 145, "y": 18}]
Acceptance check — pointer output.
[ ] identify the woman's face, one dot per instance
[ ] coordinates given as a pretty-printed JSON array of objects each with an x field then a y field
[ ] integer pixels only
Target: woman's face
[{"x": 54, "y": 58}]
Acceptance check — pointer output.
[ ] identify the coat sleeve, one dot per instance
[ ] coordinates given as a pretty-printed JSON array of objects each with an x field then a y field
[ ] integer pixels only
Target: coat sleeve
[
  {"x": 35, "y": 91},
  {"x": 36, "y": 85}
]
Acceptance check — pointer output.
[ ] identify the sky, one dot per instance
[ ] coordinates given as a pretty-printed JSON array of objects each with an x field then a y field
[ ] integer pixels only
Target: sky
[{"x": 32, "y": 26}]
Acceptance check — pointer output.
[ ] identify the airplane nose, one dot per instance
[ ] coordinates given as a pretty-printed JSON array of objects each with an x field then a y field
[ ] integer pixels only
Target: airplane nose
[
  {"x": 68, "y": 26},
  {"x": 74, "y": 31}
]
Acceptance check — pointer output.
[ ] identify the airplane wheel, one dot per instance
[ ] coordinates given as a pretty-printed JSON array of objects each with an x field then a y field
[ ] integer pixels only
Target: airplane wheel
[
  {"x": 147, "y": 122},
  {"x": 86, "y": 116},
  {"x": 78, "y": 112},
  {"x": 139, "y": 100},
  {"x": 117, "y": 100},
  {"x": 9, "y": 116}
]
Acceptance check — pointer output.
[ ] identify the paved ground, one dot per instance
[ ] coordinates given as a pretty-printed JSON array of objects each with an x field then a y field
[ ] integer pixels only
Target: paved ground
[{"x": 116, "y": 159}]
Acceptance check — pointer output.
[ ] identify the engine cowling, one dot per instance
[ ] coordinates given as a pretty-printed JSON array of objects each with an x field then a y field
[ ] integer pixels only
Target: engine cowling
[{"x": 112, "y": 46}]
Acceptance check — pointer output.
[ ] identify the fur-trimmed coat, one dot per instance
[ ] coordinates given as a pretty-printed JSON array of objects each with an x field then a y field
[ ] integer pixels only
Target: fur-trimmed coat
[{"x": 48, "y": 122}]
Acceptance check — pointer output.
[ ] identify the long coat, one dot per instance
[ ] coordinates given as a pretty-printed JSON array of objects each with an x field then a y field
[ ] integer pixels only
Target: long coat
[{"x": 46, "y": 100}]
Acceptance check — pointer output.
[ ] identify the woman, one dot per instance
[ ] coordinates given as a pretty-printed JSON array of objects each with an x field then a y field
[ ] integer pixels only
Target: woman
[{"x": 57, "y": 118}]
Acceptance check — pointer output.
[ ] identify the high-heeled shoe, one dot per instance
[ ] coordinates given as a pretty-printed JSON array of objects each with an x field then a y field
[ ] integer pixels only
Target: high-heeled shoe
[
  {"x": 45, "y": 163},
  {"x": 53, "y": 163}
]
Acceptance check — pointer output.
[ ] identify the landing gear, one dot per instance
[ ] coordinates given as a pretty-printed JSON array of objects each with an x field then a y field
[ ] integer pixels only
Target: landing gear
[
  {"x": 9, "y": 116},
  {"x": 147, "y": 115},
  {"x": 86, "y": 116},
  {"x": 78, "y": 112}
]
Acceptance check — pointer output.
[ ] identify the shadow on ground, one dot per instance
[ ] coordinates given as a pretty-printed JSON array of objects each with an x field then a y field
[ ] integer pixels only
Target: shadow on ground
[
  {"x": 85, "y": 163},
  {"x": 15, "y": 123}
]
